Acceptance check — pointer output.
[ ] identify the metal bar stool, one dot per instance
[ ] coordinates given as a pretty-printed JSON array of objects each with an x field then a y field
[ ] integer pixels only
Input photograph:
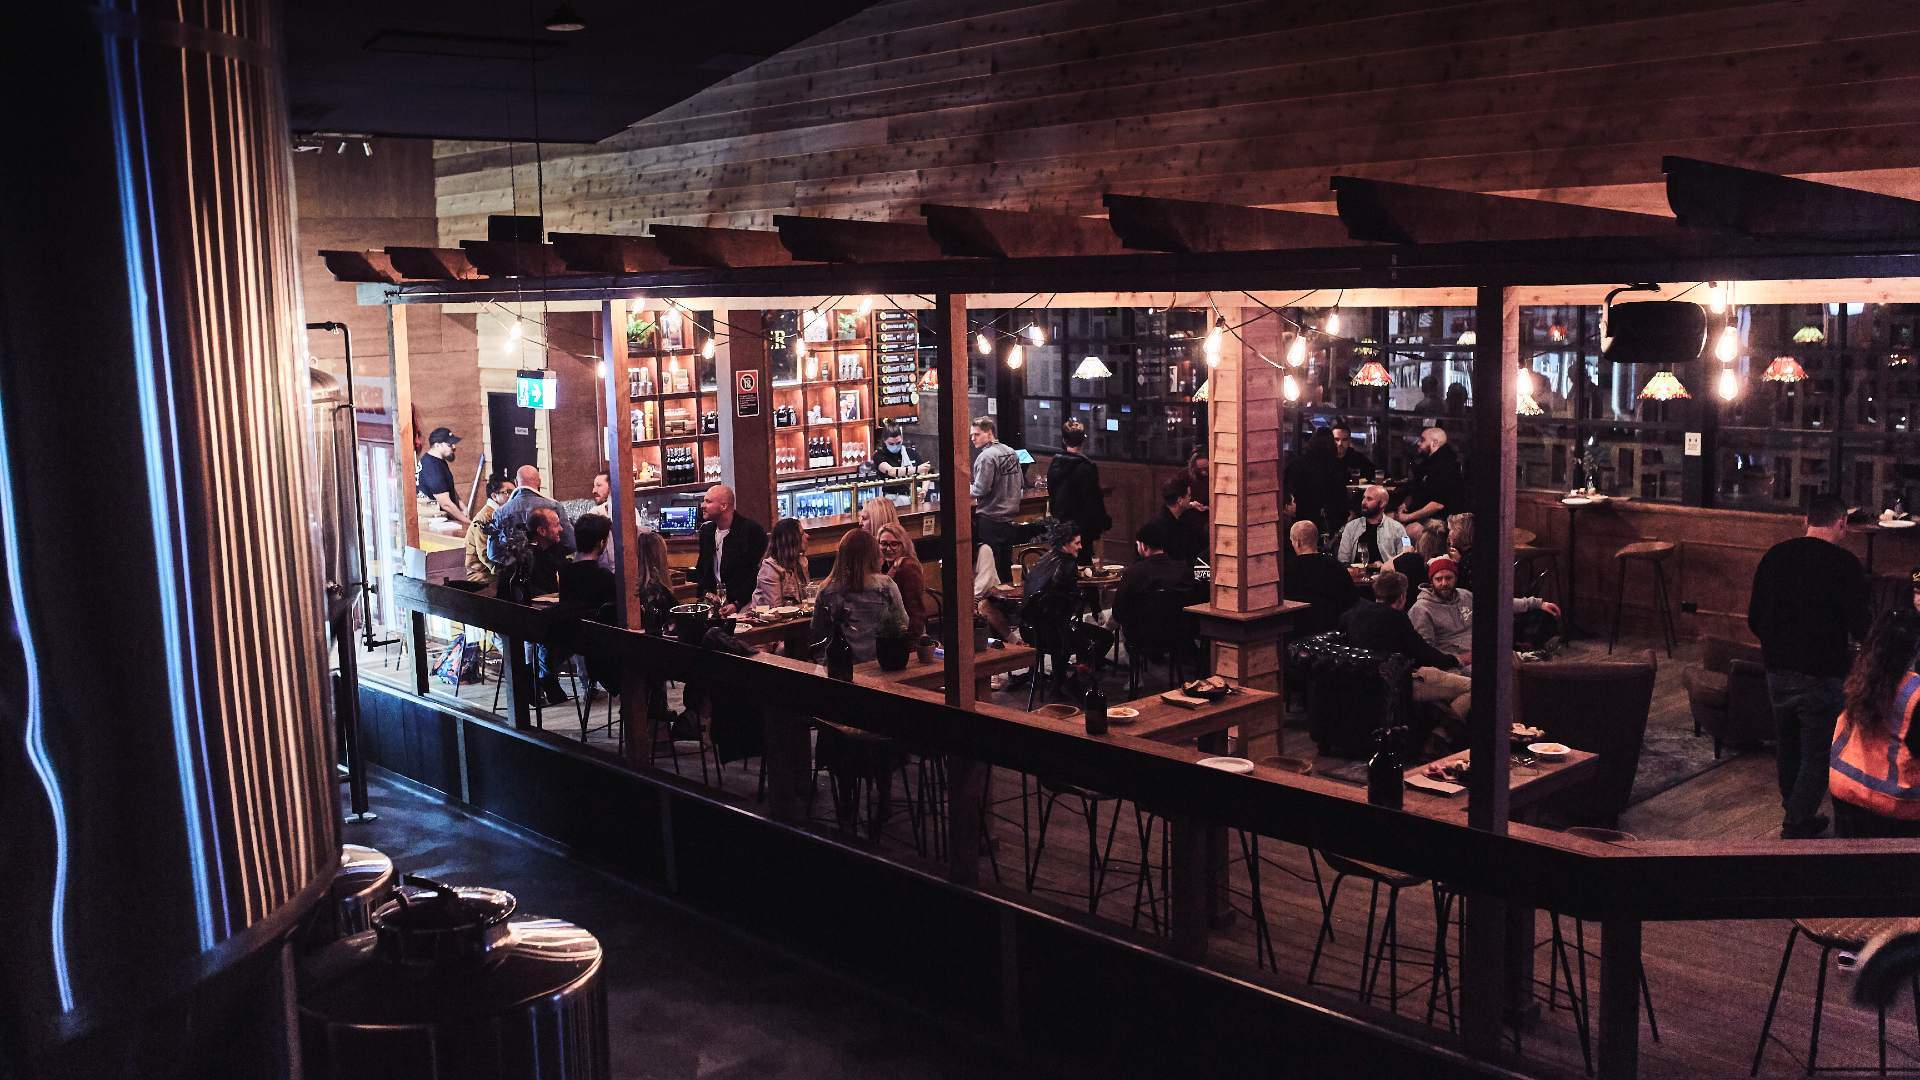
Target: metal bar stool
[
  {"x": 1375, "y": 951},
  {"x": 1652, "y": 553},
  {"x": 1578, "y": 997},
  {"x": 1529, "y": 578},
  {"x": 1850, "y": 935}
]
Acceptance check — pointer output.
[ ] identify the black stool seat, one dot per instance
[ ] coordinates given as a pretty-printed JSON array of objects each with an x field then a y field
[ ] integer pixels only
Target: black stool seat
[
  {"x": 1366, "y": 871},
  {"x": 1846, "y": 935},
  {"x": 1655, "y": 550}
]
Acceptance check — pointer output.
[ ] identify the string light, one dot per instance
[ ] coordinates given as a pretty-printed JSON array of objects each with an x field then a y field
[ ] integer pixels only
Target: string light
[
  {"x": 602, "y": 370},
  {"x": 1333, "y": 322},
  {"x": 1036, "y": 335},
  {"x": 1216, "y": 337},
  {"x": 708, "y": 350},
  {"x": 800, "y": 349},
  {"x": 1728, "y": 386},
  {"x": 1290, "y": 387},
  {"x": 1716, "y": 298},
  {"x": 1727, "y": 348},
  {"x": 1297, "y": 352},
  {"x": 1016, "y": 356},
  {"x": 513, "y": 330},
  {"x": 983, "y": 343},
  {"x": 866, "y": 304}
]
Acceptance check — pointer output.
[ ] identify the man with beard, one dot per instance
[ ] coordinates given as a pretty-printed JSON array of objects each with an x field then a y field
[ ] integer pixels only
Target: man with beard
[
  {"x": 1373, "y": 537},
  {"x": 1443, "y": 614},
  {"x": 1436, "y": 487}
]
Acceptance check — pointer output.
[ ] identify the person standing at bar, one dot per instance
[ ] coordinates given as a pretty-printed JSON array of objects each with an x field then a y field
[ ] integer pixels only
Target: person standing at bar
[
  {"x": 602, "y": 496},
  {"x": 996, "y": 493},
  {"x": 1436, "y": 486},
  {"x": 896, "y": 459},
  {"x": 1809, "y": 599},
  {"x": 1073, "y": 487},
  {"x": 731, "y": 547},
  {"x": 435, "y": 481}
]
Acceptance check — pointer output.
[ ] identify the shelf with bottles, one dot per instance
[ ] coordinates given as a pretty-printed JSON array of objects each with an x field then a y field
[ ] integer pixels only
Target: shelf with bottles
[{"x": 712, "y": 469}]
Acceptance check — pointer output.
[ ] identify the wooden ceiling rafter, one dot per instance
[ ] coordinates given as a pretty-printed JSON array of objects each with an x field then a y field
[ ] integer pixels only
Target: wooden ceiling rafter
[
  {"x": 1728, "y": 198},
  {"x": 1147, "y": 223},
  {"x": 433, "y": 264},
  {"x": 695, "y": 245},
  {"x": 514, "y": 258},
  {"x": 371, "y": 267},
  {"x": 1393, "y": 213},
  {"x": 845, "y": 240},
  {"x": 609, "y": 253},
  {"x": 977, "y": 232}
]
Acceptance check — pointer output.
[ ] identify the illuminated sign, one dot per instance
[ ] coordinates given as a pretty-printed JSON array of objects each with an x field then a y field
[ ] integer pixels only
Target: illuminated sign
[{"x": 534, "y": 389}]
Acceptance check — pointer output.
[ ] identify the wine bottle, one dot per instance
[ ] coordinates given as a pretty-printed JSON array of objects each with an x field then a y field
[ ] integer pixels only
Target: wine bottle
[
  {"x": 1386, "y": 783},
  {"x": 1094, "y": 704}
]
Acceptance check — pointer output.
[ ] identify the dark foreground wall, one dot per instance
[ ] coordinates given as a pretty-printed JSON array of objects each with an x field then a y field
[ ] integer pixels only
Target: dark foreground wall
[{"x": 1054, "y": 982}]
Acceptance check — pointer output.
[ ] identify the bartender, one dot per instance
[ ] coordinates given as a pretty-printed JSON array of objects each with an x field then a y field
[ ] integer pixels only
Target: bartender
[
  {"x": 895, "y": 458},
  {"x": 435, "y": 478}
]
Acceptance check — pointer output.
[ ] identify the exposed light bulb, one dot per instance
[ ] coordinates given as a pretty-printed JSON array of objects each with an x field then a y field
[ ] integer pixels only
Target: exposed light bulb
[
  {"x": 708, "y": 350},
  {"x": 1716, "y": 298},
  {"x": 800, "y": 350},
  {"x": 1290, "y": 387},
  {"x": 1016, "y": 356},
  {"x": 602, "y": 369},
  {"x": 1036, "y": 335},
  {"x": 1524, "y": 384},
  {"x": 866, "y": 304},
  {"x": 983, "y": 343},
  {"x": 1333, "y": 322},
  {"x": 1728, "y": 386},
  {"x": 1727, "y": 348},
  {"x": 513, "y": 330},
  {"x": 1297, "y": 352},
  {"x": 1216, "y": 337}
]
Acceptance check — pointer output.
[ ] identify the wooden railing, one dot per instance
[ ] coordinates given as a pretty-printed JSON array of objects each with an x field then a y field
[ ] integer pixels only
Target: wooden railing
[{"x": 1619, "y": 886}]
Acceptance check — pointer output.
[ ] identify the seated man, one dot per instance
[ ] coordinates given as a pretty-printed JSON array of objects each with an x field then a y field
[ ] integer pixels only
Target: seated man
[
  {"x": 1052, "y": 598},
  {"x": 1154, "y": 572},
  {"x": 585, "y": 582},
  {"x": 534, "y": 570},
  {"x": 1443, "y": 614},
  {"x": 1316, "y": 579},
  {"x": 1374, "y": 536},
  {"x": 1382, "y": 627}
]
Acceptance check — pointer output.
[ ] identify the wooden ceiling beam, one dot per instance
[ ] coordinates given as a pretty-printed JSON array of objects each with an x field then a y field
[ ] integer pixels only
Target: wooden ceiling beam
[
  {"x": 513, "y": 258},
  {"x": 1707, "y": 195},
  {"x": 1184, "y": 225},
  {"x": 843, "y": 240},
  {"x": 364, "y": 266},
  {"x": 1394, "y": 213},
  {"x": 975, "y": 232},
  {"x": 692, "y": 245},
  {"x": 606, "y": 253},
  {"x": 433, "y": 264}
]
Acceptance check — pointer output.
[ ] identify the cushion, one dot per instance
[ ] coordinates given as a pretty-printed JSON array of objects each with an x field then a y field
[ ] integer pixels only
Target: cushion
[{"x": 1706, "y": 687}]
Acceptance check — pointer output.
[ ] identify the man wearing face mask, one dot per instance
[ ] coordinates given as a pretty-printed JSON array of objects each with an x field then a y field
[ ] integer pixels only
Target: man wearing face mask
[
  {"x": 896, "y": 458},
  {"x": 1443, "y": 615}
]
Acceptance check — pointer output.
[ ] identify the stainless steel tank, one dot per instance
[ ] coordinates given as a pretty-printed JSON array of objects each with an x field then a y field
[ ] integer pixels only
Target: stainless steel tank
[
  {"x": 336, "y": 509},
  {"x": 448, "y": 984},
  {"x": 168, "y": 803}
]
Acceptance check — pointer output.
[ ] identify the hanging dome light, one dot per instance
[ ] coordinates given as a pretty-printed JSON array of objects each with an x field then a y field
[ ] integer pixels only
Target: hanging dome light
[
  {"x": 1784, "y": 369},
  {"x": 1333, "y": 322},
  {"x": 1216, "y": 337},
  {"x": 1809, "y": 335},
  {"x": 1728, "y": 385},
  {"x": 1091, "y": 368},
  {"x": 1297, "y": 352},
  {"x": 1204, "y": 391},
  {"x": 1523, "y": 383},
  {"x": 1529, "y": 407},
  {"x": 1016, "y": 356},
  {"x": 1290, "y": 387},
  {"x": 1467, "y": 337},
  {"x": 1664, "y": 386},
  {"x": 1726, "y": 348},
  {"x": 1036, "y": 335},
  {"x": 983, "y": 343},
  {"x": 1372, "y": 373}
]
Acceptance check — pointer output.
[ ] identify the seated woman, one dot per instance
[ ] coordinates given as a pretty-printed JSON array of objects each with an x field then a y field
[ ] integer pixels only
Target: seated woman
[
  {"x": 898, "y": 562},
  {"x": 876, "y": 512},
  {"x": 1873, "y": 773},
  {"x": 865, "y": 602},
  {"x": 783, "y": 573},
  {"x": 585, "y": 582},
  {"x": 654, "y": 587},
  {"x": 1052, "y": 600}
]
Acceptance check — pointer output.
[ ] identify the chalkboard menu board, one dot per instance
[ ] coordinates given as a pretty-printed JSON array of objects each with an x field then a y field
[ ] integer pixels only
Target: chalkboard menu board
[{"x": 899, "y": 365}]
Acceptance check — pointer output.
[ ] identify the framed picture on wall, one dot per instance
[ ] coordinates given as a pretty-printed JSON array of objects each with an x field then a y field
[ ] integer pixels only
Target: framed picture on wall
[{"x": 673, "y": 331}]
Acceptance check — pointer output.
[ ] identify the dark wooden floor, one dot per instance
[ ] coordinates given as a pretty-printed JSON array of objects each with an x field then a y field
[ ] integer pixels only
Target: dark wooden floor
[{"x": 1709, "y": 980}]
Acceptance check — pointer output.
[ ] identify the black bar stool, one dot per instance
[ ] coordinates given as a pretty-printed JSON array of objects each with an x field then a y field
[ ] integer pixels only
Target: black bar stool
[
  {"x": 1850, "y": 935},
  {"x": 1652, "y": 553},
  {"x": 1578, "y": 998}
]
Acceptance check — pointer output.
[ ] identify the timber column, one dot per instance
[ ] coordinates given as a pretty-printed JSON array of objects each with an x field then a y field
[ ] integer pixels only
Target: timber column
[{"x": 1245, "y": 616}]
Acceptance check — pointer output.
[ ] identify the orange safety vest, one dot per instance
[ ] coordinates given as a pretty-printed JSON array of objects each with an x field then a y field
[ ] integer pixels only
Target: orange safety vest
[{"x": 1870, "y": 766}]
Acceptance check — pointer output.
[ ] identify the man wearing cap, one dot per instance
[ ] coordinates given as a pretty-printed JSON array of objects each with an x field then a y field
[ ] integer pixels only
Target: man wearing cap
[
  {"x": 436, "y": 475},
  {"x": 1443, "y": 614}
]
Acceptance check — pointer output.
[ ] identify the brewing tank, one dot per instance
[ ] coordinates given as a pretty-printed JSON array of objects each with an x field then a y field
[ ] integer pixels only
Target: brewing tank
[
  {"x": 450, "y": 984},
  {"x": 335, "y": 509}
]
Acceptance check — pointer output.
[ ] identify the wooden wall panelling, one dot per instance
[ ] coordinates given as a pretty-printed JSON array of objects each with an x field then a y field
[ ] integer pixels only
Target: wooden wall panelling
[{"x": 575, "y": 442}]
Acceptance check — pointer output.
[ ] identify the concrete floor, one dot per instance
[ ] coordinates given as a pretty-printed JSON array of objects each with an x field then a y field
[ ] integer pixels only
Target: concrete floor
[{"x": 687, "y": 995}]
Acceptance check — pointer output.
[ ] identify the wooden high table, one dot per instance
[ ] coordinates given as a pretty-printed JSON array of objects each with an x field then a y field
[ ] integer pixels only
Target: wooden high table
[{"x": 986, "y": 664}]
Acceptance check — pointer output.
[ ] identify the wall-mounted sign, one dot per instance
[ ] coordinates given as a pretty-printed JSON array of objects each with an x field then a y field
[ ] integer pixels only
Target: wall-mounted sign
[
  {"x": 746, "y": 395},
  {"x": 534, "y": 389}
]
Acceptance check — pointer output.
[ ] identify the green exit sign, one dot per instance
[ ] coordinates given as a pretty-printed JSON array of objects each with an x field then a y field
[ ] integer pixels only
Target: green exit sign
[{"x": 534, "y": 389}]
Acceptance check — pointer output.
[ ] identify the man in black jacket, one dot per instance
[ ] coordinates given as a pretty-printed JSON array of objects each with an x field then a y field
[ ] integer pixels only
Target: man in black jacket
[
  {"x": 731, "y": 547},
  {"x": 1809, "y": 597},
  {"x": 1383, "y": 627},
  {"x": 1073, "y": 487},
  {"x": 1183, "y": 522},
  {"x": 1436, "y": 486},
  {"x": 1317, "y": 579}
]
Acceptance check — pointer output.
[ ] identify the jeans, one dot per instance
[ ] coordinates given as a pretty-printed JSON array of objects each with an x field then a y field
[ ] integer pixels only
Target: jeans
[{"x": 1804, "y": 710}]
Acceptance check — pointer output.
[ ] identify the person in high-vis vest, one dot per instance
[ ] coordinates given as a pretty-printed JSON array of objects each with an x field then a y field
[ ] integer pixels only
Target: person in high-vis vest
[{"x": 1873, "y": 770}]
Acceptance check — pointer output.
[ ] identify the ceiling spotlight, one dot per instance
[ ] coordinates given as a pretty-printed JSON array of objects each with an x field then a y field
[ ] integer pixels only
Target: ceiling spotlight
[{"x": 565, "y": 20}]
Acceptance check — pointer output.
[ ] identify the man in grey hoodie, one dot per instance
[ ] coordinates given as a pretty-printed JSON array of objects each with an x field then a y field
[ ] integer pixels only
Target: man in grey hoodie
[{"x": 1443, "y": 614}]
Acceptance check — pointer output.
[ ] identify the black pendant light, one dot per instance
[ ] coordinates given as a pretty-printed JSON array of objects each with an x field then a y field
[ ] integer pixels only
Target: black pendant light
[{"x": 565, "y": 20}]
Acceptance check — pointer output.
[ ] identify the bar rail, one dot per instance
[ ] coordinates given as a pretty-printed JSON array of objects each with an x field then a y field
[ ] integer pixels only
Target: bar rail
[{"x": 1643, "y": 881}]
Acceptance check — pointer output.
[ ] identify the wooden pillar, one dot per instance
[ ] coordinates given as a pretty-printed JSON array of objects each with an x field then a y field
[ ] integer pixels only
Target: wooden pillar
[
  {"x": 746, "y": 441},
  {"x": 1619, "y": 999},
  {"x": 405, "y": 461},
  {"x": 1497, "y": 954},
  {"x": 1244, "y": 420},
  {"x": 967, "y": 779}
]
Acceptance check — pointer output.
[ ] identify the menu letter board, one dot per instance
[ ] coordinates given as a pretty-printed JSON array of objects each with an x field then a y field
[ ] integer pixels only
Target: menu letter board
[{"x": 899, "y": 364}]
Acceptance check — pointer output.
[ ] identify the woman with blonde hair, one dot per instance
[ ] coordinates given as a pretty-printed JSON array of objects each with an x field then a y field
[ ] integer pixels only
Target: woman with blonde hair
[
  {"x": 898, "y": 562},
  {"x": 865, "y": 602},
  {"x": 655, "y": 586},
  {"x": 877, "y": 512},
  {"x": 783, "y": 573}
]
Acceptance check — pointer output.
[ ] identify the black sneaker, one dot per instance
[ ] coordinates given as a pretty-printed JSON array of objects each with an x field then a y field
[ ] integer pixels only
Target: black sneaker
[{"x": 1816, "y": 827}]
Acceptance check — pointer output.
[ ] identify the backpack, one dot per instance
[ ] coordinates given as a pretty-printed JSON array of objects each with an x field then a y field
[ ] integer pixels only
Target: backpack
[{"x": 460, "y": 663}]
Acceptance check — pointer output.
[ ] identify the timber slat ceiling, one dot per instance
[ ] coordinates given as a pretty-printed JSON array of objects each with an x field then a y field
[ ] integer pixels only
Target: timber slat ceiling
[{"x": 1047, "y": 106}]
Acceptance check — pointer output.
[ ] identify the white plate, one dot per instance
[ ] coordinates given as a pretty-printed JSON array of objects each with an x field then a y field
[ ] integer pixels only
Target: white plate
[
  {"x": 1572, "y": 500},
  {"x": 1549, "y": 749},
  {"x": 1121, "y": 712},
  {"x": 786, "y": 610},
  {"x": 1228, "y": 764},
  {"x": 1901, "y": 524}
]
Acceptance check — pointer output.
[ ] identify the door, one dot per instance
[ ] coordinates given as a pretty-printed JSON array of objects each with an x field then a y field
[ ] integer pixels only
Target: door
[{"x": 510, "y": 433}]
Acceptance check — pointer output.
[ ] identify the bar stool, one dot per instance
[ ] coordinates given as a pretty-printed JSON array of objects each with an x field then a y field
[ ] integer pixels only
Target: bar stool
[
  {"x": 1850, "y": 935},
  {"x": 1374, "y": 951},
  {"x": 1528, "y": 556},
  {"x": 1252, "y": 860},
  {"x": 1577, "y": 994},
  {"x": 1654, "y": 554}
]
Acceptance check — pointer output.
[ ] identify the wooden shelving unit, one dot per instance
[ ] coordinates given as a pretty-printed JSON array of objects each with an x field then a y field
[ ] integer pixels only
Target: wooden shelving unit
[{"x": 673, "y": 405}]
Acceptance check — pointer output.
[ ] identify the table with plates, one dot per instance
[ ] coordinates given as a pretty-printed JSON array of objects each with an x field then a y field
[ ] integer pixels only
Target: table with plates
[
  {"x": 931, "y": 674},
  {"x": 788, "y": 625}
]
